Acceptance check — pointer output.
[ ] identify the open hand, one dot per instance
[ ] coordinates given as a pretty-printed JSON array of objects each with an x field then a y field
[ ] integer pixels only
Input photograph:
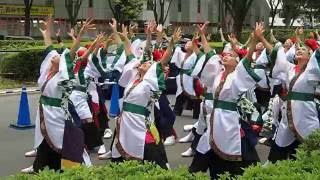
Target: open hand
[
  {"x": 72, "y": 34},
  {"x": 232, "y": 38},
  {"x": 259, "y": 30},
  {"x": 113, "y": 25},
  {"x": 176, "y": 36},
  {"x": 202, "y": 27},
  {"x": 46, "y": 30}
]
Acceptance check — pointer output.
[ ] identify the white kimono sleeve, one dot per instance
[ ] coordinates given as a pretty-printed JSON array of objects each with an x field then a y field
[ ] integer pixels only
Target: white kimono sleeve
[
  {"x": 49, "y": 53},
  {"x": 155, "y": 77},
  {"x": 280, "y": 66},
  {"x": 176, "y": 57},
  {"x": 65, "y": 66},
  {"x": 201, "y": 57},
  {"x": 313, "y": 68},
  {"x": 120, "y": 59},
  {"x": 130, "y": 71},
  {"x": 244, "y": 78},
  {"x": 211, "y": 70},
  {"x": 263, "y": 58},
  {"x": 291, "y": 54}
]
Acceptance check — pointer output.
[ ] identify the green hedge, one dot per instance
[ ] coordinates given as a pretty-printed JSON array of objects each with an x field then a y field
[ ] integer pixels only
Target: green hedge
[
  {"x": 130, "y": 170},
  {"x": 24, "y": 65},
  {"x": 306, "y": 166},
  {"x": 19, "y": 44}
]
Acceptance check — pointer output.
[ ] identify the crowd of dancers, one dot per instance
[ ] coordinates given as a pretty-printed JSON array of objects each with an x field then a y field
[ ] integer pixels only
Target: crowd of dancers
[{"x": 263, "y": 87}]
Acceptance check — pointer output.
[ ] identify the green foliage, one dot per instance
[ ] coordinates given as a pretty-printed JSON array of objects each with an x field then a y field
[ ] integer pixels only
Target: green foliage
[
  {"x": 130, "y": 170},
  {"x": 306, "y": 166},
  {"x": 311, "y": 143},
  {"x": 24, "y": 65},
  {"x": 17, "y": 45},
  {"x": 6, "y": 83},
  {"x": 126, "y": 9}
]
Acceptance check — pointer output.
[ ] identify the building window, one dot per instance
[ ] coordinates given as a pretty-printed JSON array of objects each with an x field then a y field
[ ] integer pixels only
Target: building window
[
  {"x": 199, "y": 6},
  {"x": 179, "y": 5},
  {"x": 90, "y": 3},
  {"x": 49, "y": 2},
  {"x": 150, "y": 5}
]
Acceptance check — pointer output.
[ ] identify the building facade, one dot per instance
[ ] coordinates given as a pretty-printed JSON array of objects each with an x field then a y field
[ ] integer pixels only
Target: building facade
[{"x": 183, "y": 13}]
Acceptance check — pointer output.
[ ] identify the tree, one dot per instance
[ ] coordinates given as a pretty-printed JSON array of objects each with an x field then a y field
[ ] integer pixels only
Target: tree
[
  {"x": 274, "y": 5},
  {"x": 126, "y": 9},
  {"x": 312, "y": 9},
  {"x": 238, "y": 10},
  {"x": 73, "y": 7},
  {"x": 27, "y": 12},
  {"x": 161, "y": 15},
  {"x": 292, "y": 9}
]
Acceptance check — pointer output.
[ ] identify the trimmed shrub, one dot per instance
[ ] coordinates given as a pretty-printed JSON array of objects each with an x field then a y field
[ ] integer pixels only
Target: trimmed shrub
[
  {"x": 130, "y": 170},
  {"x": 24, "y": 65},
  {"x": 306, "y": 166},
  {"x": 18, "y": 44}
]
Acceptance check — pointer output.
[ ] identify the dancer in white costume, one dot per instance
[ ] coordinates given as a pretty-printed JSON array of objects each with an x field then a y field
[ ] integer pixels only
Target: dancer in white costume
[
  {"x": 136, "y": 136},
  {"x": 55, "y": 82},
  {"x": 206, "y": 69},
  {"x": 223, "y": 146},
  {"x": 299, "y": 113}
]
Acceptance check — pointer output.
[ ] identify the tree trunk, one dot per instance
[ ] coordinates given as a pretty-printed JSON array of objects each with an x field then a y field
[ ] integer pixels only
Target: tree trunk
[
  {"x": 27, "y": 11},
  {"x": 272, "y": 21},
  {"x": 238, "y": 25},
  {"x": 161, "y": 12},
  {"x": 27, "y": 22},
  {"x": 237, "y": 28}
]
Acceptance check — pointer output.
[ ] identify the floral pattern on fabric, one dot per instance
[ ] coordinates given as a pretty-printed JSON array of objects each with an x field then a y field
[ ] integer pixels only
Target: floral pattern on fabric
[
  {"x": 246, "y": 108},
  {"x": 66, "y": 88}
]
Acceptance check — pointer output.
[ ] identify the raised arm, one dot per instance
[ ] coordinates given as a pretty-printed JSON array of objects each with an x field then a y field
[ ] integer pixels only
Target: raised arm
[
  {"x": 116, "y": 36},
  {"x": 159, "y": 31},
  {"x": 167, "y": 54},
  {"x": 150, "y": 28},
  {"x": 86, "y": 26},
  {"x": 72, "y": 34},
  {"x": 233, "y": 41},
  {"x": 195, "y": 41},
  {"x": 252, "y": 47},
  {"x": 258, "y": 33},
  {"x": 46, "y": 32},
  {"x": 202, "y": 32},
  {"x": 126, "y": 41},
  {"x": 272, "y": 37},
  {"x": 58, "y": 36},
  {"x": 132, "y": 28},
  {"x": 299, "y": 33},
  {"x": 95, "y": 45},
  {"x": 222, "y": 36},
  {"x": 318, "y": 35}
]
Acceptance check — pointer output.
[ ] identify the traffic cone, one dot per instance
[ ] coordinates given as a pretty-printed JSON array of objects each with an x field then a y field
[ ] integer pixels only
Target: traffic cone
[
  {"x": 114, "y": 109},
  {"x": 23, "y": 121}
]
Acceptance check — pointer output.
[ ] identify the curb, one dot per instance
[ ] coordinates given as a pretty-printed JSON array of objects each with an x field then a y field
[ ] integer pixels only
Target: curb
[{"x": 31, "y": 90}]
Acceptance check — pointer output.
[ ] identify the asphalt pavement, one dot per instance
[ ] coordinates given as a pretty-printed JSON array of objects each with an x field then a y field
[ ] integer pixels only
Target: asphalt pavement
[{"x": 14, "y": 143}]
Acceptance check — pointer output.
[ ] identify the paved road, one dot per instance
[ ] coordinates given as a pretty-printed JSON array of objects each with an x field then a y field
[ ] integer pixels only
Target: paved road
[{"x": 14, "y": 143}]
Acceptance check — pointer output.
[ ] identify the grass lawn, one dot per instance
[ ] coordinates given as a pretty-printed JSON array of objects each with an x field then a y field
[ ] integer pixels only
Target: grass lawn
[
  {"x": 216, "y": 44},
  {"x": 9, "y": 83}
]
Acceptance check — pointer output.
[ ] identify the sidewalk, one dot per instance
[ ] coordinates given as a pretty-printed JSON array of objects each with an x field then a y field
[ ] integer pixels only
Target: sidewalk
[{"x": 16, "y": 91}]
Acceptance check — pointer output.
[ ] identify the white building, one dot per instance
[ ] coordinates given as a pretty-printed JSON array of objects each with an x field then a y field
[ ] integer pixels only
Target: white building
[{"x": 184, "y": 13}]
